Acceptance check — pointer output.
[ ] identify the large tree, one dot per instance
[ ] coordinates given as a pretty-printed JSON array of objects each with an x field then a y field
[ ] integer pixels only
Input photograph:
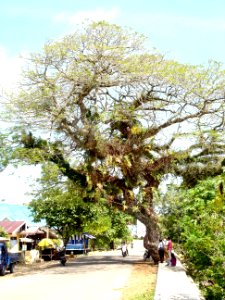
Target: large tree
[{"x": 116, "y": 118}]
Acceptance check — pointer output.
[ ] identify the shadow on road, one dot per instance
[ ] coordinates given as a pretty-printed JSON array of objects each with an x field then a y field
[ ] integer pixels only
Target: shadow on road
[
  {"x": 94, "y": 263},
  {"x": 83, "y": 264}
]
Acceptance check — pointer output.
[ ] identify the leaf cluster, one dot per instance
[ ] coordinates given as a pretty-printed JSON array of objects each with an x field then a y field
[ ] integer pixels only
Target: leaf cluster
[{"x": 3, "y": 233}]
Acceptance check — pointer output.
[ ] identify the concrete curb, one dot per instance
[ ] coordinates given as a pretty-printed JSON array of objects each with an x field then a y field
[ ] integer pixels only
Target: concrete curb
[{"x": 174, "y": 284}]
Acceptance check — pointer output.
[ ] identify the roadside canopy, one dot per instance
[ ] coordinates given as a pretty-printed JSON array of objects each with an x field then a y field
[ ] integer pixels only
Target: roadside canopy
[{"x": 46, "y": 243}]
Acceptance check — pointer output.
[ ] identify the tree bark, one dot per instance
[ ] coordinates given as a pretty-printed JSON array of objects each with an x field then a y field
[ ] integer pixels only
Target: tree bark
[{"x": 152, "y": 235}]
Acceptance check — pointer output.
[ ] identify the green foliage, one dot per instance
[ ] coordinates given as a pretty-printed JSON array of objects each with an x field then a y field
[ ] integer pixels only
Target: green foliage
[
  {"x": 196, "y": 219},
  {"x": 68, "y": 215},
  {"x": 113, "y": 228},
  {"x": 3, "y": 233},
  {"x": 60, "y": 203}
]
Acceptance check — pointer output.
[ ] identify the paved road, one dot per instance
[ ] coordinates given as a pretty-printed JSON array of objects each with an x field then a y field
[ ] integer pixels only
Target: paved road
[{"x": 95, "y": 277}]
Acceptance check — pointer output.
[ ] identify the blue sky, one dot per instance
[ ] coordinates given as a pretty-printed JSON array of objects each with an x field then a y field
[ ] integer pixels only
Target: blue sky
[{"x": 189, "y": 31}]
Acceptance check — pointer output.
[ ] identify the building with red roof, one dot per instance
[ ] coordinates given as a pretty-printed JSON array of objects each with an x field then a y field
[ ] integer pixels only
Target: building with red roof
[{"x": 13, "y": 228}]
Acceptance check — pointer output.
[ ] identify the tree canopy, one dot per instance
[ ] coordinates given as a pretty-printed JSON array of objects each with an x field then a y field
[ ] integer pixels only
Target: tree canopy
[{"x": 116, "y": 117}]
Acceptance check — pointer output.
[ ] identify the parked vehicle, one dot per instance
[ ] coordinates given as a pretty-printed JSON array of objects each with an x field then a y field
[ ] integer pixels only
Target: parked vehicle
[
  {"x": 79, "y": 243},
  {"x": 7, "y": 260}
]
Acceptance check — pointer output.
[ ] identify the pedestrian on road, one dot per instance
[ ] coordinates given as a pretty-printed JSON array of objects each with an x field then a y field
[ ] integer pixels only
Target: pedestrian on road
[
  {"x": 161, "y": 250},
  {"x": 165, "y": 249},
  {"x": 169, "y": 250},
  {"x": 124, "y": 249}
]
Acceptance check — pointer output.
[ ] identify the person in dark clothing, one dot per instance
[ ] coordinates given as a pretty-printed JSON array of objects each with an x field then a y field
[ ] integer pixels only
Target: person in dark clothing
[{"x": 161, "y": 251}]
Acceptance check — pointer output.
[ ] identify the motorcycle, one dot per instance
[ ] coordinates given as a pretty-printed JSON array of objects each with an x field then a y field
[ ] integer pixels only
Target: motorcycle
[
  {"x": 124, "y": 251},
  {"x": 146, "y": 255}
]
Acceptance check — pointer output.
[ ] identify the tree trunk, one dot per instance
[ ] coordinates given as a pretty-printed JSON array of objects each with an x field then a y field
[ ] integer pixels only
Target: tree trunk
[{"x": 152, "y": 235}]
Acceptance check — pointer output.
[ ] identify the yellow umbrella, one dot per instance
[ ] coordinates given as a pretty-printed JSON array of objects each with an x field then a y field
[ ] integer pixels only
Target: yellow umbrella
[{"x": 46, "y": 243}]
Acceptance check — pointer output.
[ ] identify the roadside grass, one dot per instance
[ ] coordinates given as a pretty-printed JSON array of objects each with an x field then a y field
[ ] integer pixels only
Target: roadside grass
[
  {"x": 141, "y": 283},
  {"x": 144, "y": 296}
]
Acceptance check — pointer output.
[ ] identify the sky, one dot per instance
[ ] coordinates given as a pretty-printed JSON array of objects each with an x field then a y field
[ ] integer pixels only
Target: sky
[{"x": 189, "y": 31}]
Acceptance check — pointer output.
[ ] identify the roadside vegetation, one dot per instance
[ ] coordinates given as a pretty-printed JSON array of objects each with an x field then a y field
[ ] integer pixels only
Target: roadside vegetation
[
  {"x": 142, "y": 296},
  {"x": 195, "y": 219},
  {"x": 62, "y": 207}
]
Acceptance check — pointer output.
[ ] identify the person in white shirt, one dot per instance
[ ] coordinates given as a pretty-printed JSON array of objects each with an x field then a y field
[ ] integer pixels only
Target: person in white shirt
[{"x": 161, "y": 250}]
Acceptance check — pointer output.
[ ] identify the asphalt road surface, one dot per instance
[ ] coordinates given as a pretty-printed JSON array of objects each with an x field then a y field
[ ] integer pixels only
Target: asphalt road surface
[{"x": 92, "y": 277}]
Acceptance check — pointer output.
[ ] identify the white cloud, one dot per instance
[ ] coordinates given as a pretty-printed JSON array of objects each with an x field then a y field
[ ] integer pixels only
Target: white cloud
[
  {"x": 16, "y": 184},
  {"x": 93, "y": 15},
  {"x": 178, "y": 22},
  {"x": 10, "y": 68}
]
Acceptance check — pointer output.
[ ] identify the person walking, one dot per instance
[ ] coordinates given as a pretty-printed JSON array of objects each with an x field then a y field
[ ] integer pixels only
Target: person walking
[
  {"x": 165, "y": 249},
  {"x": 169, "y": 250},
  {"x": 161, "y": 250},
  {"x": 124, "y": 249}
]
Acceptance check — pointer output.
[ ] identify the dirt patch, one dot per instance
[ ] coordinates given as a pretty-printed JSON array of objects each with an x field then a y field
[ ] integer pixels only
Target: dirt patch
[
  {"x": 23, "y": 269},
  {"x": 141, "y": 281}
]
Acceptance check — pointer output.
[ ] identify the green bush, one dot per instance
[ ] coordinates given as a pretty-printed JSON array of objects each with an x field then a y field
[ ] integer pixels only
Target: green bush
[{"x": 195, "y": 220}]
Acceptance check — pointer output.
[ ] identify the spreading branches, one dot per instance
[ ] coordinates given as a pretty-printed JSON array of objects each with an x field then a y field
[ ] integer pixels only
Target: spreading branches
[{"x": 121, "y": 117}]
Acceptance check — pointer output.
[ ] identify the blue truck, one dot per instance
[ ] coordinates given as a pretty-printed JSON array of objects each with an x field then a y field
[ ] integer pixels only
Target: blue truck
[{"x": 7, "y": 260}]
